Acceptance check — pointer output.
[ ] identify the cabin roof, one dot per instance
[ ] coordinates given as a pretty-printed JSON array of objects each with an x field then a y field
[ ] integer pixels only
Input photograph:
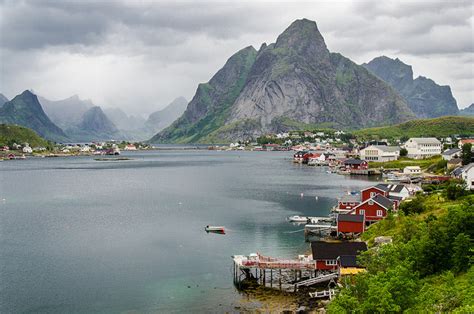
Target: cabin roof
[
  {"x": 350, "y": 218},
  {"x": 354, "y": 161},
  {"x": 332, "y": 250},
  {"x": 451, "y": 151},
  {"x": 348, "y": 261},
  {"x": 350, "y": 198},
  {"x": 382, "y": 200}
]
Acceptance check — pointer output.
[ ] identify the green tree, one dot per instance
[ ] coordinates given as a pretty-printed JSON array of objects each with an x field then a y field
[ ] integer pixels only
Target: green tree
[
  {"x": 403, "y": 152},
  {"x": 461, "y": 252},
  {"x": 466, "y": 153}
]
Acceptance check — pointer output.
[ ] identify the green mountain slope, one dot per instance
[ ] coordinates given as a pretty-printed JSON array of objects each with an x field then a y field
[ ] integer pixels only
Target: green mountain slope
[
  {"x": 25, "y": 110},
  {"x": 438, "y": 127},
  {"x": 209, "y": 108},
  {"x": 10, "y": 134}
]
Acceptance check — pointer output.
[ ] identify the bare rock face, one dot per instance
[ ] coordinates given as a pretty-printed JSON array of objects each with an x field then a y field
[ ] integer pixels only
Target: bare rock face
[
  {"x": 423, "y": 96},
  {"x": 292, "y": 83},
  {"x": 298, "y": 78}
]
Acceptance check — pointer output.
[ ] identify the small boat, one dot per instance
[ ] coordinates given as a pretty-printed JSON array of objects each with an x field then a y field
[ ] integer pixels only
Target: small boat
[
  {"x": 217, "y": 229},
  {"x": 297, "y": 218}
]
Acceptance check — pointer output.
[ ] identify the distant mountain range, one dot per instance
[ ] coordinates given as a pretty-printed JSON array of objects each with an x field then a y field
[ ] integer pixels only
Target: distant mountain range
[
  {"x": 163, "y": 118},
  {"x": 65, "y": 112},
  {"x": 74, "y": 119},
  {"x": 292, "y": 83},
  {"x": 25, "y": 110},
  {"x": 424, "y": 97},
  {"x": 3, "y": 99},
  {"x": 468, "y": 111}
]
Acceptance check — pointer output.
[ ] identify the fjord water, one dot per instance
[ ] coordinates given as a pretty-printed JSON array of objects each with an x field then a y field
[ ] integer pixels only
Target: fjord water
[{"x": 79, "y": 235}]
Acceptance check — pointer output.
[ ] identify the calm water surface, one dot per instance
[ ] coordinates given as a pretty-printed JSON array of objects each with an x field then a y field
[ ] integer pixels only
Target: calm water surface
[{"x": 80, "y": 236}]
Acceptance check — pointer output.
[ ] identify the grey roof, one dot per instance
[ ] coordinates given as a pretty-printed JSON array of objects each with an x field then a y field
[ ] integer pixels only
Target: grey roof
[
  {"x": 397, "y": 188},
  {"x": 397, "y": 198},
  {"x": 333, "y": 250},
  {"x": 451, "y": 151},
  {"x": 349, "y": 261},
  {"x": 350, "y": 218},
  {"x": 382, "y": 200},
  {"x": 455, "y": 161},
  {"x": 381, "y": 186},
  {"x": 425, "y": 140},
  {"x": 457, "y": 172},
  {"x": 350, "y": 198},
  {"x": 353, "y": 161},
  {"x": 386, "y": 148}
]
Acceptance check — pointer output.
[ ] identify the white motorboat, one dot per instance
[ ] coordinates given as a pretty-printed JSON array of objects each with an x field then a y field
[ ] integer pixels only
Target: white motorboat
[
  {"x": 297, "y": 218},
  {"x": 217, "y": 229}
]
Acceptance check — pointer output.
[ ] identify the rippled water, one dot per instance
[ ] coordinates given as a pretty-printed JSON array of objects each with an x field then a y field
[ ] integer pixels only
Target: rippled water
[{"x": 79, "y": 235}]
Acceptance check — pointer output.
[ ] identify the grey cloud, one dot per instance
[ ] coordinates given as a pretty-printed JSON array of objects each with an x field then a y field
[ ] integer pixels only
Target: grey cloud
[{"x": 142, "y": 54}]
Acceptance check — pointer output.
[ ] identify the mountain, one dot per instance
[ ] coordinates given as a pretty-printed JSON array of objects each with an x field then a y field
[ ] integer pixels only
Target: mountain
[
  {"x": 25, "y": 110},
  {"x": 468, "y": 111},
  {"x": 3, "y": 99},
  {"x": 66, "y": 111},
  {"x": 424, "y": 97},
  {"x": 124, "y": 121},
  {"x": 437, "y": 127},
  {"x": 10, "y": 134},
  {"x": 94, "y": 126},
  {"x": 295, "y": 81},
  {"x": 163, "y": 118}
]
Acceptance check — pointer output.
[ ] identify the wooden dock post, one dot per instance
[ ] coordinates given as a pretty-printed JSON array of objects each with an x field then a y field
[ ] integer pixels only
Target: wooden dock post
[
  {"x": 264, "y": 277},
  {"x": 279, "y": 280},
  {"x": 271, "y": 278}
]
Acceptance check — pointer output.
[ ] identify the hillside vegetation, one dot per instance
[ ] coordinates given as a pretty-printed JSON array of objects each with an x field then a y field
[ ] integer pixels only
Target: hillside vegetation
[
  {"x": 428, "y": 267},
  {"x": 438, "y": 127},
  {"x": 10, "y": 134}
]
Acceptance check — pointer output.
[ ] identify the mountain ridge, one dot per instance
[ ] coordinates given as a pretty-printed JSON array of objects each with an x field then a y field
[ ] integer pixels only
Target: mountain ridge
[
  {"x": 292, "y": 81},
  {"x": 424, "y": 96}
]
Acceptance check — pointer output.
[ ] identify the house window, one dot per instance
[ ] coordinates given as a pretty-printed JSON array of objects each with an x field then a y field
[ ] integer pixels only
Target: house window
[
  {"x": 362, "y": 212},
  {"x": 372, "y": 194},
  {"x": 331, "y": 262},
  {"x": 379, "y": 213},
  {"x": 371, "y": 202}
]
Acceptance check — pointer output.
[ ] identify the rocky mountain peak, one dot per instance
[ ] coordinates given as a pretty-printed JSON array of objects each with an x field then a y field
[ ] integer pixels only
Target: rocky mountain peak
[{"x": 304, "y": 37}]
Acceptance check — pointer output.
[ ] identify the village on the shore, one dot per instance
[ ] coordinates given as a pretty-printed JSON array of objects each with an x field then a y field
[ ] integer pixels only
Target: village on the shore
[{"x": 335, "y": 240}]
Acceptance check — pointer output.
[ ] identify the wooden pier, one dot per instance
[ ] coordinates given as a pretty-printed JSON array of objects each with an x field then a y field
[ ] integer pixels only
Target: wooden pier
[{"x": 282, "y": 274}]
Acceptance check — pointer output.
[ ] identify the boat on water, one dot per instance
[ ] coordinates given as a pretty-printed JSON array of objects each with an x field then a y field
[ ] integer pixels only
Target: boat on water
[
  {"x": 297, "y": 218},
  {"x": 216, "y": 229}
]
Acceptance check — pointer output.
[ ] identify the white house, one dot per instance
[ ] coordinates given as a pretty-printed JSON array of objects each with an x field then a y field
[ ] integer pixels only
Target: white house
[
  {"x": 27, "y": 149},
  {"x": 412, "y": 170},
  {"x": 380, "y": 153},
  {"x": 423, "y": 147},
  {"x": 467, "y": 175},
  {"x": 465, "y": 141},
  {"x": 451, "y": 153}
]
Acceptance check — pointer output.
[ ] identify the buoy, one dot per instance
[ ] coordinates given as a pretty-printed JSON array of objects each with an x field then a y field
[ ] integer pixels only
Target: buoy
[
  {"x": 301, "y": 194},
  {"x": 316, "y": 197}
]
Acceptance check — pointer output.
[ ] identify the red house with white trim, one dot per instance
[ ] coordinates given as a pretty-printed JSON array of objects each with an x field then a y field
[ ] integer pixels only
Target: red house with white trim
[
  {"x": 379, "y": 189},
  {"x": 326, "y": 254},
  {"x": 375, "y": 208},
  {"x": 348, "y": 202}
]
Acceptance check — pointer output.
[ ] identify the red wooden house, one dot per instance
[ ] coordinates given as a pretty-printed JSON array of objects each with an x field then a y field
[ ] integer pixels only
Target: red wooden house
[
  {"x": 375, "y": 208},
  {"x": 356, "y": 164},
  {"x": 350, "y": 224},
  {"x": 326, "y": 254},
  {"x": 348, "y": 202},
  {"x": 379, "y": 189}
]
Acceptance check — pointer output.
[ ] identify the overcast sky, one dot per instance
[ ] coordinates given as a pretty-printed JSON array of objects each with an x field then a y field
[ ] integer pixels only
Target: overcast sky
[{"x": 140, "y": 55}]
